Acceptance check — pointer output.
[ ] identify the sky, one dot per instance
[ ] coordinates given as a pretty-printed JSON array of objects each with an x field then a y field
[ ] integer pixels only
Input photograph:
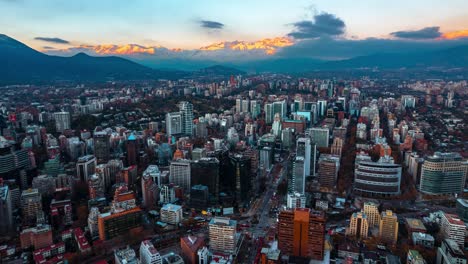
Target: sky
[{"x": 187, "y": 24}]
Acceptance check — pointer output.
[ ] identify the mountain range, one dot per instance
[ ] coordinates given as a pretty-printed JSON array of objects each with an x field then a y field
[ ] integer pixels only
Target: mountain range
[{"x": 22, "y": 64}]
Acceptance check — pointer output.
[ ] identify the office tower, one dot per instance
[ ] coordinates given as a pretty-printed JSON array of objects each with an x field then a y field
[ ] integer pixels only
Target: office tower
[
  {"x": 222, "y": 234},
  {"x": 205, "y": 171},
  {"x": 101, "y": 146},
  {"x": 296, "y": 200},
  {"x": 320, "y": 136},
  {"x": 328, "y": 167},
  {"x": 450, "y": 252},
  {"x": 123, "y": 215},
  {"x": 171, "y": 214},
  {"x": 443, "y": 173},
  {"x": 6, "y": 208},
  {"x": 371, "y": 210},
  {"x": 462, "y": 209},
  {"x": 301, "y": 232},
  {"x": 453, "y": 228},
  {"x": 38, "y": 237},
  {"x": 85, "y": 167},
  {"x": 303, "y": 149},
  {"x": 322, "y": 106},
  {"x": 31, "y": 204},
  {"x": 186, "y": 109},
  {"x": 96, "y": 186},
  {"x": 93, "y": 222},
  {"x": 239, "y": 177},
  {"x": 199, "y": 196},
  {"x": 359, "y": 226},
  {"x": 245, "y": 105},
  {"x": 255, "y": 108},
  {"x": 239, "y": 105},
  {"x": 377, "y": 179},
  {"x": 298, "y": 175},
  {"x": 12, "y": 161},
  {"x": 179, "y": 174},
  {"x": 190, "y": 245},
  {"x": 125, "y": 256},
  {"x": 408, "y": 101},
  {"x": 174, "y": 123},
  {"x": 287, "y": 137},
  {"x": 149, "y": 189},
  {"x": 167, "y": 194},
  {"x": 61, "y": 212},
  {"x": 266, "y": 158},
  {"x": 279, "y": 107},
  {"x": 132, "y": 150},
  {"x": 62, "y": 121},
  {"x": 149, "y": 254},
  {"x": 388, "y": 228},
  {"x": 269, "y": 114},
  {"x": 337, "y": 146}
]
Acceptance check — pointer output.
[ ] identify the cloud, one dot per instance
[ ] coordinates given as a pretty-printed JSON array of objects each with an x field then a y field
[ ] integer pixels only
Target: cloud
[
  {"x": 424, "y": 33},
  {"x": 48, "y": 47},
  {"x": 332, "y": 48},
  {"x": 53, "y": 40},
  {"x": 211, "y": 24},
  {"x": 323, "y": 24}
]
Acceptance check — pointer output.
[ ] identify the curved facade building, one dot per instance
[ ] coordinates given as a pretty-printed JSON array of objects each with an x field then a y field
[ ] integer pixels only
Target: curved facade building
[
  {"x": 443, "y": 173},
  {"x": 377, "y": 179}
]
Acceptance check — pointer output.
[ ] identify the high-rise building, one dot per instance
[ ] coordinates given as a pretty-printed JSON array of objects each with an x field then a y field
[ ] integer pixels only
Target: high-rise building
[
  {"x": 38, "y": 237},
  {"x": 179, "y": 174},
  {"x": 123, "y": 215},
  {"x": 12, "y": 161},
  {"x": 174, "y": 123},
  {"x": 453, "y": 228},
  {"x": 186, "y": 108},
  {"x": 101, "y": 146},
  {"x": 149, "y": 188},
  {"x": 171, "y": 214},
  {"x": 31, "y": 204},
  {"x": 328, "y": 167},
  {"x": 298, "y": 181},
  {"x": 190, "y": 245},
  {"x": 62, "y": 121},
  {"x": 443, "y": 173},
  {"x": 199, "y": 196},
  {"x": 359, "y": 225},
  {"x": 379, "y": 179},
  {"x": 296, "y": 200},
  {"x": 132, "y": 150},
  {"x": 6, "y": 208},
  {"x": 149, "y": 254},
  {"x": 239, "y": 176},
  {"x": 414, "y": 257},
  {"x": 320, "y": 136},
  {"x": 388, "y": 228},
  {"x": 222, "y": 233},
  {"x": 462, "y": 209},
  {"x": 301, "y": 232},
  {"x": 85, "y": 167},
  {"x": 125, "y": 256},
  {"x": 279, "y": 107},
  {"x": 93, "y": 222},
  {"x": 408, "y": 101},
  {"x": 450, "y": 252},
  {"x": 167, "y": 194},
  {"x": 269, "y": 114},
  {"x": 371, "y": 210},
  {"x": 205, "y": 171},
  {"x": 303, "y": 149}
]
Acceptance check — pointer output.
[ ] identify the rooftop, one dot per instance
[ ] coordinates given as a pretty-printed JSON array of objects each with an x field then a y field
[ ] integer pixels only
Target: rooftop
[
  {"x": 223, "y": 221},
  {"x": 171, "y": 207},
  {"x": 453, "y": 219}
]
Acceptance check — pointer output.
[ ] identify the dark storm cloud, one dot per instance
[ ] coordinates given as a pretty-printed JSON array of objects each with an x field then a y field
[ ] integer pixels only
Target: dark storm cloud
[
  {"x": 331, "y": 48},
  {"x": 323, "y": 24},
  {"x": 53, "y": 40},
  {"x": 211, "y": 24},
  {"x": 424, "y": 33}
]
